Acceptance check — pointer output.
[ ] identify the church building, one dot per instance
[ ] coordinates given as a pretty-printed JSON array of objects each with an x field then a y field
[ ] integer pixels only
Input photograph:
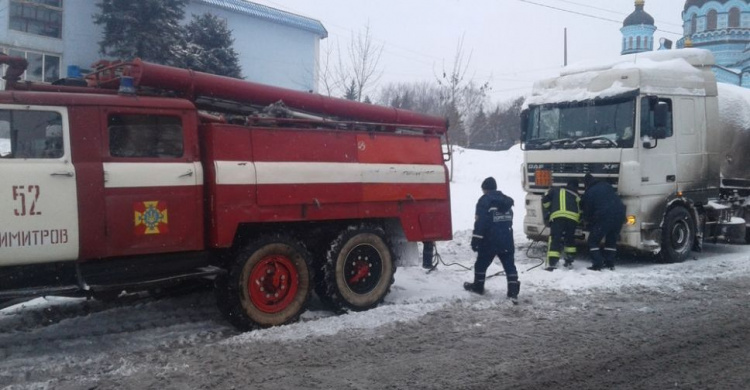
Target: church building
[{"x": 721, "y": 26}]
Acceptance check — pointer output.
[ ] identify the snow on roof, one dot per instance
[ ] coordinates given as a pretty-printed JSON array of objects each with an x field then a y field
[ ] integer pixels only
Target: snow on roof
[
  {"x": 681, "y": 72},
  {"x": 270, "y": 14},
  {"x": 683, "y": 59}
]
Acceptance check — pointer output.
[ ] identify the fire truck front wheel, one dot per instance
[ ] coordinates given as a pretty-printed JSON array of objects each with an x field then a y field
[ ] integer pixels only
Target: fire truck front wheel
[
  {"x": 269, "y": 284},
  {"x": 359, "y": 269}
]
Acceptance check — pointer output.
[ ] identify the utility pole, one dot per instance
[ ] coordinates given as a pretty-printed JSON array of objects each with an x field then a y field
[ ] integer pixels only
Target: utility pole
[{"x": 565, "y": 39}]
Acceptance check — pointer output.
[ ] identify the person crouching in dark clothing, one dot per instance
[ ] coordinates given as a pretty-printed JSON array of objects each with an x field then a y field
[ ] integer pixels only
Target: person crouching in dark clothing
[
  {"x": 493, "y": 236},
  {"x": 564, "y": 210},
  {"x": 604, "y": 211}
]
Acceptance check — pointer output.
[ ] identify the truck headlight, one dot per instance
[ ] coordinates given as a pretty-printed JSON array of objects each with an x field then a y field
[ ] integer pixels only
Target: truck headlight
[{"x": 630, "y": 220}]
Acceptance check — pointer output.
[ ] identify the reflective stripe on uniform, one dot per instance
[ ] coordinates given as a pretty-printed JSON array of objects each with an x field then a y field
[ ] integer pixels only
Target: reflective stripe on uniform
[
  {"x": 563, "y": 211},
  {"x": 551, "y": 253}
]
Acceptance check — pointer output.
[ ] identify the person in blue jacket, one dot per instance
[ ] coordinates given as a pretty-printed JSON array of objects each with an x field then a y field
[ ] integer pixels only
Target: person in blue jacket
[
  {"x": 493, "y": 236},
  {"x": 604, "y": 211}
]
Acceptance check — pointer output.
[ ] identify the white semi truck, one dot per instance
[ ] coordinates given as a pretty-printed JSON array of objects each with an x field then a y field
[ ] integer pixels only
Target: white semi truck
[{"x": 658, "y": 127}]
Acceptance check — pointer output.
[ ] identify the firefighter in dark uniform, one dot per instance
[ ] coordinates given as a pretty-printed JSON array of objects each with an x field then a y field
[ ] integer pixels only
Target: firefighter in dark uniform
[
  {"x": 604, "y": 211},
  {"x": 562, "y": 206},
  {"x": 493, "y": 236}
]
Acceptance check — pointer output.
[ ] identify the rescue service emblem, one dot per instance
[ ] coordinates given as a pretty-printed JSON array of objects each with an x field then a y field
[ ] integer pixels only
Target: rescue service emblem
[{"x": 150, "y": 217}]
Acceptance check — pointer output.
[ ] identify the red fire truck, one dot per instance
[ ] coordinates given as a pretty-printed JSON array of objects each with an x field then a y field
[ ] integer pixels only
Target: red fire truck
[{"x": 141, "y": 175}]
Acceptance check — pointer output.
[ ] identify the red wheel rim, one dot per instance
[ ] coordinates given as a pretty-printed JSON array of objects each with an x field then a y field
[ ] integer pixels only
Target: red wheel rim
[{"x": 273, "y": 283}]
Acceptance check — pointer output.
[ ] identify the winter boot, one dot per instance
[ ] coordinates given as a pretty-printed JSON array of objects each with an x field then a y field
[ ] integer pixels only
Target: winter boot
[
  {"x": 514, "y": 288},
  {"x": 568, "y": 261},
  {"x": 609, "y": 258},
  {"x": 476, "y": 287},
  {"x": 551, "y": 264},
  {"x": 597, "y": 260}
]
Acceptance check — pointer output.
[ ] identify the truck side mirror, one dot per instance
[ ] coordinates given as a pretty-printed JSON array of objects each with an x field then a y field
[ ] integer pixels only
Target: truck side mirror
[
  {"x": 524, "y": 124},
  {"x": 661, "y": 118}
]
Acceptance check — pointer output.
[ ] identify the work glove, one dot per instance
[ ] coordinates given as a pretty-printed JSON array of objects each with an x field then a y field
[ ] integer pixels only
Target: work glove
[{"x": 475, "y": 243}]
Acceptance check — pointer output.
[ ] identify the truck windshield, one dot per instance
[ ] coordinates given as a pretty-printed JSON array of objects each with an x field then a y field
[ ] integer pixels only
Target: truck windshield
[{"x": 601, "y": 123}]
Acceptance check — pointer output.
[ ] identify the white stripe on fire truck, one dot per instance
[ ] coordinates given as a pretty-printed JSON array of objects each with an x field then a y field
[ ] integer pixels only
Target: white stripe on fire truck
[
  {"x": 131, "y": 175},
  {"x": 246, "y": 172}
]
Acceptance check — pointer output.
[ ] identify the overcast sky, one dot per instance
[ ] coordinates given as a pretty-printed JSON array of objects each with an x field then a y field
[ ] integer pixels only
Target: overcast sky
[{"x": 511, "y": 42}]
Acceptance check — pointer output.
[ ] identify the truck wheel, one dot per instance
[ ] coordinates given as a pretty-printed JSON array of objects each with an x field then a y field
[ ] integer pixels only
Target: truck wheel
[
  {"x": 677, "y": 235},
  {"x": 269, "y": 284},
  {"x": 359, "y": 269}
]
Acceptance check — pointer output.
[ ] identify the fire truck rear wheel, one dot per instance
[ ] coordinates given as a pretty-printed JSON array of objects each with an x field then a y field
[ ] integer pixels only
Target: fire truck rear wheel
[
  {"x": 359, "y": 269},
  {"x": 269, "y": 284},
  {"x": 678, "y": 235}
]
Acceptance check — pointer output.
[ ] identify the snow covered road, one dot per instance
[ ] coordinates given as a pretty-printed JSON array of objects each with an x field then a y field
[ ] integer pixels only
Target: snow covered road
[
  {"x": 644, "y": 326},
  {"x": 429, "y": 334}
]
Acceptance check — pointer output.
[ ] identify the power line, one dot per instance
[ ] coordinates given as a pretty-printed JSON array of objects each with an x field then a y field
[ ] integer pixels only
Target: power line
[
  {"x": 610, "y": 11},
  {"x": 587, "y": 15}
]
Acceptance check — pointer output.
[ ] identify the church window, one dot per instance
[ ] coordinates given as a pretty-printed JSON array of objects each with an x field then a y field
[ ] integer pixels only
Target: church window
[
  {"x": 630, "y": 43},
  {"x": 711, "y": 20},
  {"x": 734, "y": 18},
  {"x": 638, "y": 42},
  {"x": 693, "y": 24}
]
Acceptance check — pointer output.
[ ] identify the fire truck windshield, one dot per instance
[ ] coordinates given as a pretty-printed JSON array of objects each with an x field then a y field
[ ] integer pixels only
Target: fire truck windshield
[{"x": 600, "y": 123}]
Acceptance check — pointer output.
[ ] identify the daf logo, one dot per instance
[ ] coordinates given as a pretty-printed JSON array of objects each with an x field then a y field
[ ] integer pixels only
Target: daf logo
[
  {"x": 534, "y": 167},
  {"x": 611, "y": 167}
]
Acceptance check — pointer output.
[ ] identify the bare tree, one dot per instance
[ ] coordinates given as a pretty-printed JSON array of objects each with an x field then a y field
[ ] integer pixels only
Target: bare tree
[
  {"x": 328, "y": 84},
  {"x": 453, "y": 80},
  {"x": 361, "y": 63},
  {"x": 462, "y": 96},
  {"x": 420, "y": 96}
]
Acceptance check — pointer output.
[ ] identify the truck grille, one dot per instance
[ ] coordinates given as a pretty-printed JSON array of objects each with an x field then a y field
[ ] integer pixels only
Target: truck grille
[{"x": 562, "y": 172}]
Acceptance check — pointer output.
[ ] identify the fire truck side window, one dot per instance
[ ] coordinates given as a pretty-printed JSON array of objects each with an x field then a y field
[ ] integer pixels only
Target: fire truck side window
[
  {"x": 30, "y": 134},
  {"x": 145, "y": 136}
]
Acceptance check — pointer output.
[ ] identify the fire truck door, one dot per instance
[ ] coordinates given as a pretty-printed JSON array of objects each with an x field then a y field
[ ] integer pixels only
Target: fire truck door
[
  {"x": 38, "y": 204},
  {"x": 152, "y": 184}
]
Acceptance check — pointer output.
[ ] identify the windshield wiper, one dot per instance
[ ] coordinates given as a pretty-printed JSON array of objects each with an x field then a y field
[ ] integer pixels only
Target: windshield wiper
[
  {"x": 538, "y": 144},
  {"x": 567, "y": 143},
  {"x": 599, "y": 142}
]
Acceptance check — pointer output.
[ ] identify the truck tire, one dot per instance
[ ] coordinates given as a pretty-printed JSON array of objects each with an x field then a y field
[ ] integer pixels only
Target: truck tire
[
  {"x": 678, "y": 235},
  {"x": 269, "y": 284},
  {"x": 359, "y": 269}
]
